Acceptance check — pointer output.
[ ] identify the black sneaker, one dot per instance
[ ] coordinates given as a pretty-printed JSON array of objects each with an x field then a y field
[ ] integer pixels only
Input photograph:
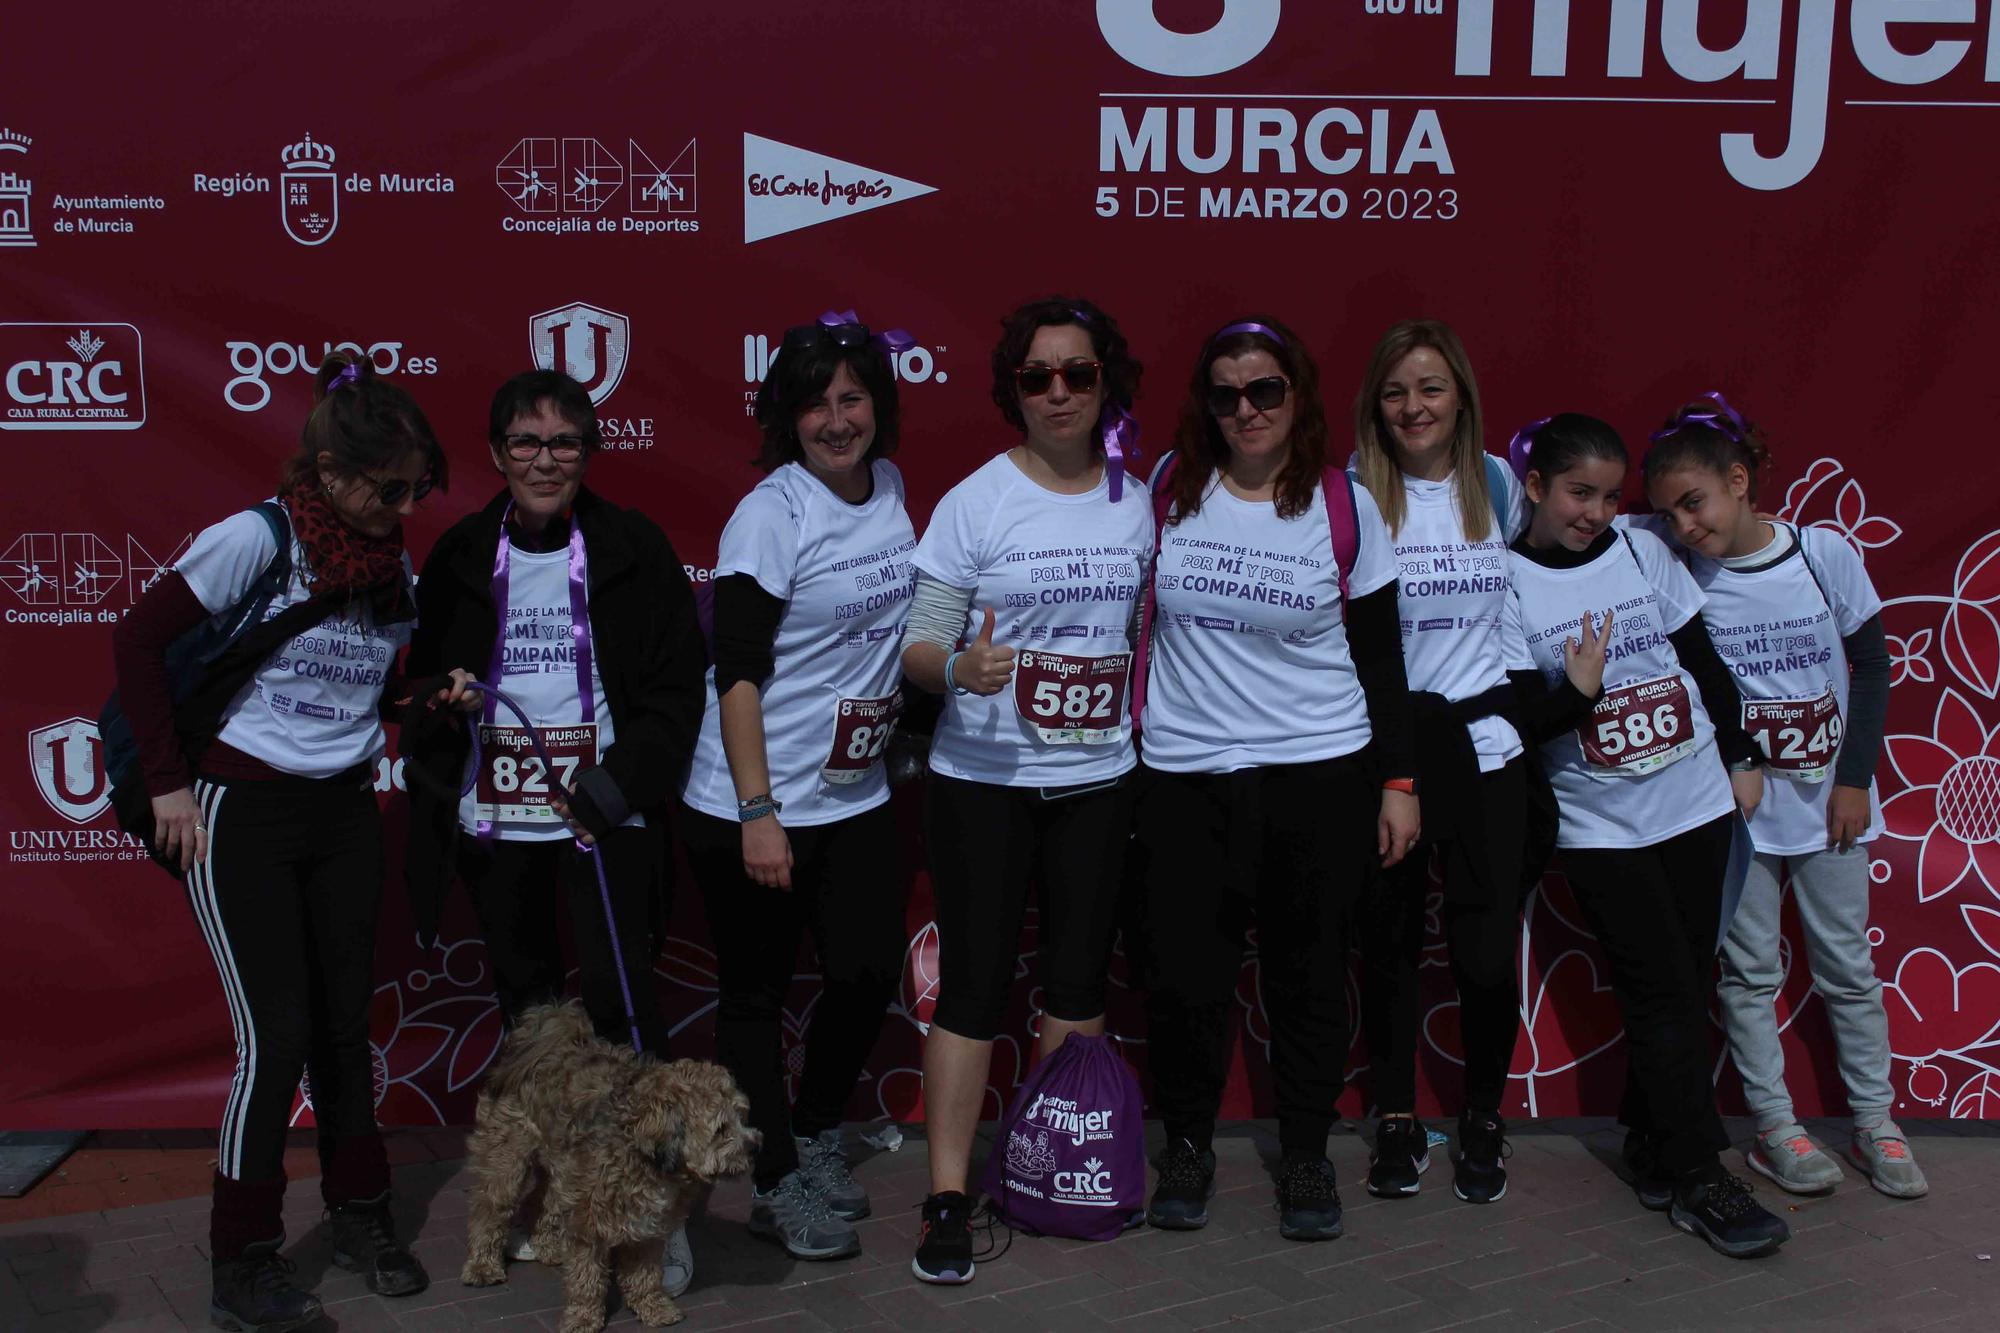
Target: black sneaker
[
  {"x": 1402, "y": 1154},
  {"x": 1187, "y": 1178},
  {"x": 1719, "y": 1208},
  {"x": 255, "y": 1294},
  {"x": 1308, "y": 1202},
  {"x": 944, "y": 1245},
  {"x": 1480, "y": 1175},
  {"x": 1654, "y": 1188},
  {"x": 364, "y": 1242}
]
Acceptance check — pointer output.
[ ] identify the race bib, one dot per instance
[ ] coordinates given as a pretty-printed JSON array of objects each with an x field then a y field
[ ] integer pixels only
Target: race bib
[
  {"x": 1799, "y": 737},
  {"x": 1639, "y": 728},
  {"x": 513, "y": 787},
  {"x": 861, "y": 729},
  {"x": 1072, "y": 700}
]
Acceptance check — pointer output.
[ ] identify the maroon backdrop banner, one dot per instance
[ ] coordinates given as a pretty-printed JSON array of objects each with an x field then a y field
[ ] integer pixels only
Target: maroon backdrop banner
[{"x": 1619, "y": 205}]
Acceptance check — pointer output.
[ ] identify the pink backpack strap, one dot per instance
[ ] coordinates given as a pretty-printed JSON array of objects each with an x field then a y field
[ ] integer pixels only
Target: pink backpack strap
[
  {"x": 1160, "y": 484},
  {"x": 1343, "y": 520}
]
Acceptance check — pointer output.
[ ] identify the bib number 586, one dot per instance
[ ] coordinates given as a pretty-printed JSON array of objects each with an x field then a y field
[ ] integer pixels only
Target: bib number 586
[{"x": 1637, "y": 730}]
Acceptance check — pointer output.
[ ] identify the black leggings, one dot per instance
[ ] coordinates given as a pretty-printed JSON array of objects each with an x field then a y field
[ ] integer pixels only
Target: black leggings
[
  {"x": 514, "y": 886},
  {"x": 1481, "y": 919},
  {"x": 1294, "y": 844},
  {"x": 287, "y": 898},
  {"x": 850, "y": 886},
  {"x": 1656, "y": 911},
  {"x": 989, "y": 846}
]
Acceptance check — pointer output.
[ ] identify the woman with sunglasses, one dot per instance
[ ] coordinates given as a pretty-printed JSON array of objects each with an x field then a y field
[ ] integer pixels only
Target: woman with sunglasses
[
  {"x": 616, "y": 699},
  {"x": 1278, "y": 766},
  {"x": 1026, "y": 583},
  {"x": 275, "y": 824},
  {"x": 1451, "y": 510},
  {"x": 788, "y": 826}
]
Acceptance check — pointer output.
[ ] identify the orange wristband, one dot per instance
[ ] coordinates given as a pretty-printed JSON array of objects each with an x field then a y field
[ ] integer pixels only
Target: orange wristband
[{"x": 1407, "y": 786}]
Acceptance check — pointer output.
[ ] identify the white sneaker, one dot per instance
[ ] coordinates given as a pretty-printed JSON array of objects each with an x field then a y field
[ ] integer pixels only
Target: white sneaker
[
  {"x": 1785, "y": 1156},
  {"x": 677, "y": 1270},
  {"x": 1883, "y": 1155}
]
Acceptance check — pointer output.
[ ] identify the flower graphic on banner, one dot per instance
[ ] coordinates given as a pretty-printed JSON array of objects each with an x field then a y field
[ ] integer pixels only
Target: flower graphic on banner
[
  {"x": 1850, "y": 517},
  {"x": 1951, "y": 798},
  {"x": 1907, "y": 660},
  {"x": 1971, "y": 632},
  {"x": 1936, "y": 1009}
]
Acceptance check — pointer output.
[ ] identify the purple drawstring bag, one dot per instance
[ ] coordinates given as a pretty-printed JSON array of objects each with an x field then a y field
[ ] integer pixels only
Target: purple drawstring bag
[{"x": 1071, "y": 1156}]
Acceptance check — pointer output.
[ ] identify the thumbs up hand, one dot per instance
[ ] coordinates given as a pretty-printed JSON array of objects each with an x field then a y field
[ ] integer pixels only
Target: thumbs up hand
[{"x": 983, "y": 668}]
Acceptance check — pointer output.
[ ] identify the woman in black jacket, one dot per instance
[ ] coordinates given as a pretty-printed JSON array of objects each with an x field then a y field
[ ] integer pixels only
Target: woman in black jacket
[{"x": 619, "y": 721}]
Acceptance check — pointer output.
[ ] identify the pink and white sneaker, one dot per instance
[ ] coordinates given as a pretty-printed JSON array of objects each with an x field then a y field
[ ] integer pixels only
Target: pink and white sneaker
[{"x": 1793, "y": 1162}]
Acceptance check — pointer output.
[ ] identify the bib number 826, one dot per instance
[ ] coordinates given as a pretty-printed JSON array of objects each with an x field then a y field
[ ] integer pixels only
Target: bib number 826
[{"x": 1637, "y": 730}]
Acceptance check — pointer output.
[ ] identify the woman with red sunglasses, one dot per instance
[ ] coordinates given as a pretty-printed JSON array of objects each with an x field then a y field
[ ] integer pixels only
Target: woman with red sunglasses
[
  {"x": 1278, "y": 765},
  {"x": 271, "y": 816},
  {"x": 1027, "y": 579}
]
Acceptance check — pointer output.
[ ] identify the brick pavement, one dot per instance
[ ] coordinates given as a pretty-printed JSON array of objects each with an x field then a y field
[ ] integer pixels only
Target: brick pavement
[{"x": 1567, "y": 1249}]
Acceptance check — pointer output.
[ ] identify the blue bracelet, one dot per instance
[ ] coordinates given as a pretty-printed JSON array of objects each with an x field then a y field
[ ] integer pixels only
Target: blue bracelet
[{"x": 950, "y": 683}]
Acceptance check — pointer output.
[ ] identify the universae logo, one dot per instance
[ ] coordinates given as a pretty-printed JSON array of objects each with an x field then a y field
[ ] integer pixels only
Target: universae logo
[
  {"x": 67, "y": 759},
  {"x": 587, "y": 343},
  {"x": 1247, "y": 27}
]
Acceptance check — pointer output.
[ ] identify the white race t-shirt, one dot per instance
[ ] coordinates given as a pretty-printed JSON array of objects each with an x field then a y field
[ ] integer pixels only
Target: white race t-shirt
[
  {"x": 1452, "y": 597},
  {"x": 1250, "y": 662},
  {"x": 311, "y": 708},
  {"x": 1780, "y": 634},
  {"x": 1656, "y": 771},
  {"x": 537, "y": 671},
  {"x": 1061, "y": 574},
  {"x": 844, "y": 573}
]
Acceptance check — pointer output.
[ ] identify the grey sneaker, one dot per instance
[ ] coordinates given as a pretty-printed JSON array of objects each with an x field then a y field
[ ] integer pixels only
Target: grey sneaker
[
  {"x": 677, "y": 1269},
  {"x": 1787, "y": 1158},
  {"x": 825, "y": 1164},
  {"x": 1884, "y": 1157},
  {"x": 795, "y": 1215}
]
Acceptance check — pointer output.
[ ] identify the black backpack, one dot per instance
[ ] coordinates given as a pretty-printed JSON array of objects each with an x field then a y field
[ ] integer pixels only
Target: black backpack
[{"x": 206, "y": 667}]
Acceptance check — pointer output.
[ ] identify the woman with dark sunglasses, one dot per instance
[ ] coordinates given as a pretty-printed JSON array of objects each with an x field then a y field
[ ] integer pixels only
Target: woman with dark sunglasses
[
  {"x": 275, "y": 826},
  {"x": 787, "y": 822},
  {"x": 1277, "y": 771},
  {"x": 1026, "y": 582},
  {"x": 583, "y": 614}
]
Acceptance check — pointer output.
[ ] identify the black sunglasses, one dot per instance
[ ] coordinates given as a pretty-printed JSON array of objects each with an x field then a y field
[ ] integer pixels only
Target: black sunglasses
[
  {"x": 1080, "y": 376},
  {"x": 1264, "y": 394},
  {"x": 392, "y": 492},
  {"x": 802, "y": 336}
]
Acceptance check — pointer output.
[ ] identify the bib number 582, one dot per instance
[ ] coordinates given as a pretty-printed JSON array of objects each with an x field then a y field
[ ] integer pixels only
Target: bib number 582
[{"x": 1053, "y": 699}]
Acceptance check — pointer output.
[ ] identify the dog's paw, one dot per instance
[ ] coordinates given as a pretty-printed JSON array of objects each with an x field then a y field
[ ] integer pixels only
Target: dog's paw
[
  {"x": 581, "y": 1321},
  {"x": 483, "y": 1272},
  {"x": 655, "y": 1309}
]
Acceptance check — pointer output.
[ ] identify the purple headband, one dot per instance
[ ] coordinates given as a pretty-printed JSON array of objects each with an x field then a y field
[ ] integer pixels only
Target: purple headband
[
  {"x": 893, "y": 341},
  {"x": 349, "y": 374},
  {"x": 1523, "y": 442},
  {"x": 1248, "y": 326},
  {"x": 1724, "y": 419}
]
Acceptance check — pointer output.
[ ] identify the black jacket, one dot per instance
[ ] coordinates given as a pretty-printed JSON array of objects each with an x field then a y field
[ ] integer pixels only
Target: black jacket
[{"x": 648, "y": 649}]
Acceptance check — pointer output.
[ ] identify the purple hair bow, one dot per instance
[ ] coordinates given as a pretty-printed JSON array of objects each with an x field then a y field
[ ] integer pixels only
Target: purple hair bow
[
  {"x": 1523, "y": 442},
  {"x": 893, "y": 340},
  {"x": 349, "y": 374},
  {"x": 1724, "y": 418}
]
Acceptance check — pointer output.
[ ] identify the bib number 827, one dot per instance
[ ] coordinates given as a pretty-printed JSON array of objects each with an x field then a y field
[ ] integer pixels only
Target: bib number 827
[
  {"x": 527, "y": 776},
  {"x": 1637, "y": 730},
  {"x": 1076, "y": 702}
]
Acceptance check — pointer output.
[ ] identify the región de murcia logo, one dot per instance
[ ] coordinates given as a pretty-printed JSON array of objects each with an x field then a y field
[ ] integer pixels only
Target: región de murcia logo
[{"x": 309, "y": 187}]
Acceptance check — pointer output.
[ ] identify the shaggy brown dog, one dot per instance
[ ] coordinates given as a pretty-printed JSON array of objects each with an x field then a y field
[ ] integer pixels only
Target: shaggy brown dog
[{"x": 628, "y": 1142}]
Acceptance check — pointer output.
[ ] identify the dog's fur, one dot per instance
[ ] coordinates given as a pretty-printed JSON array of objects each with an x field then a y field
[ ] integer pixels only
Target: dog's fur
[{"x": 627, "y": 1143}]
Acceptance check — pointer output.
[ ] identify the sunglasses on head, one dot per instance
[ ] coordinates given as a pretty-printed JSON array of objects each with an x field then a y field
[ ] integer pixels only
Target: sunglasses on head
[
  {"x": 1080, "y": 376},
  {"x": 1264, "y": 394},
  {"x": 803, "y": 336}
]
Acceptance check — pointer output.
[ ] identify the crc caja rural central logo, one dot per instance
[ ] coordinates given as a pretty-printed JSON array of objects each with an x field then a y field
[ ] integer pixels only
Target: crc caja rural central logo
[{"x": 71, "y": 377}]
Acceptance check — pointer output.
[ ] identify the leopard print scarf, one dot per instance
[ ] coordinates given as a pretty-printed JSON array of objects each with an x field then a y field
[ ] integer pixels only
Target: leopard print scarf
[{"x": 343, "y": 563}]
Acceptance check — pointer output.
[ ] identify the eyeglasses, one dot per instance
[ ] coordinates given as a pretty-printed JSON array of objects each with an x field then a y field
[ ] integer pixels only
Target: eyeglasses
[
  {"x": 802, "y": 336},
  {"x": 391, "y": 493},
  {"x": 1264, "y": 394},
  {"x": 562, "y": 448},
  {"x": 1080, "y": 376}
]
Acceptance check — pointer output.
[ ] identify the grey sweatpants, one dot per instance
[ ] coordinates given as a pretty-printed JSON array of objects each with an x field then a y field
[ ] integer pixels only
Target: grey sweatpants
[{"x": 1830, "y": 889}]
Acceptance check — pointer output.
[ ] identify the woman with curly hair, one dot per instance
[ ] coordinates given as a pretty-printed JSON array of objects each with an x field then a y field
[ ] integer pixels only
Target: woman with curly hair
[{"x": 1026, "y": 583}]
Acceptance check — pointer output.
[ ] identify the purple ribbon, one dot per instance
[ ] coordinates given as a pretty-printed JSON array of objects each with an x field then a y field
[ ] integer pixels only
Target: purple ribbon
[
  {"x": 1121, "y": 439},
  {"x": 1725, "y": 419},
  {"x": 893, "y": 340},
  {"x": 579, "y": 633},
  {"x": 349, "y": 374},
  {"x": 1524, "y": 441},
  {"x": 1249, "y": 326}
]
